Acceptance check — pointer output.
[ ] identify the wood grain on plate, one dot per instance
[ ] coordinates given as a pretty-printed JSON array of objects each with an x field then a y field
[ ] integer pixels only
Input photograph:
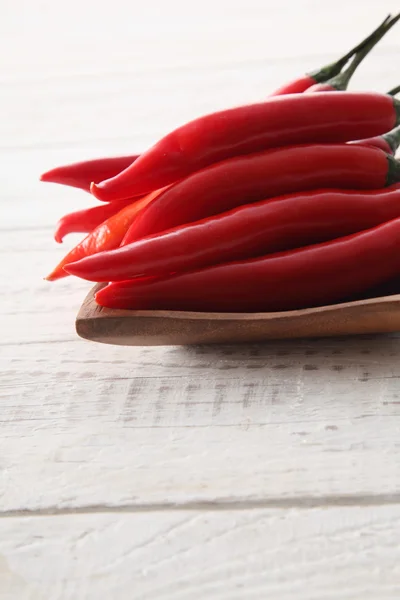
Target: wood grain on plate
[{"x": 163, "y": 328}]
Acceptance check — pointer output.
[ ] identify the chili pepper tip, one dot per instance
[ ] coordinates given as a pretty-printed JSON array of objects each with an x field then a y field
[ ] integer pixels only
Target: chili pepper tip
[
  {"x": 46, "y": 176},
  {"x": 56, "y": 274},
  {"x": 51, "y": 176},
  {"x": 97, "y": 190},
  {"x": 94, "y": 190},
  {"x": 99, "y": 295},
  {"x": 71, "y": 269}
]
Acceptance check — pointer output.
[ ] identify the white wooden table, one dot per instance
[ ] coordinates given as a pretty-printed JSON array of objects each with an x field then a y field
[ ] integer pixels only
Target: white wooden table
[{"x": 266, "y": 471}]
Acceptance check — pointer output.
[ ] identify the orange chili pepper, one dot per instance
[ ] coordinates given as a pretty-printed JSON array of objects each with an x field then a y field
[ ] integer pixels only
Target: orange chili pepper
[{"x": 106, "y": 236}]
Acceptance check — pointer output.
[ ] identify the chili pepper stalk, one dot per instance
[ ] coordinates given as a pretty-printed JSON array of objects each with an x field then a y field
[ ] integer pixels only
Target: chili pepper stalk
[
  {"x": 328, "y": 71},
  {"x": 392, "y": 138},
  {"x": 394, "y": 91},
  {"x": 341, "y": 81}
]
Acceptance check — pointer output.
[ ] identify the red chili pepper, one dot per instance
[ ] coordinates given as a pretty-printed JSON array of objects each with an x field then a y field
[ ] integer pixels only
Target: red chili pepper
[
  {"x": 321, "y": 75},
  {"x": 280, "y": 121},
  {"x": 310, "y": 276},
  {"x": 388, "y": 142},
  {"x": 342, "y": 80},
  {"x": 106, "y": 236},
  {"x": 84, "y": 221},
  {"x": 81, "y": 174},
  {"x": 254, "y": 177},
  {"x": 253, "y": 230}
]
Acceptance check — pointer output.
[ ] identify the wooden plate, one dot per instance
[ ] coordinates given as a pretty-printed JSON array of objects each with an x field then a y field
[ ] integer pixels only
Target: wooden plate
[{"x": 377, "y": 314}]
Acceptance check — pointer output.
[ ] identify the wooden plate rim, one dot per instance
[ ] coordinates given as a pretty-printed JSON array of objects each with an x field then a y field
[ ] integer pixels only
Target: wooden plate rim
[{"x": 90, "y": 310}]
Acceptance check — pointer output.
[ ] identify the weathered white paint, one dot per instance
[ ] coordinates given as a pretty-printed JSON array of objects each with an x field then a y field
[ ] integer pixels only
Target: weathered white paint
[
  {"x": 317, "y": 554},
  {"x": 138, "y": 426},
  {"x": 268, "y": 471}
]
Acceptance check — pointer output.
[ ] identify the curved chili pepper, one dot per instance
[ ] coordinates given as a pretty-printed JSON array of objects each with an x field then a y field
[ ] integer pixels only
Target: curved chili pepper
[
  {"x": 280, "y": 121},
  {"x": 253, "y": 230},
  {"x": 311, "y": 276},
  {"x": 106, "y": 236},
  {"x": 81, "y": 174},
  {"x": 341, "y": 81},
  {"x": 325, "y": 73},
  {"x": 254, "y": 177},
  {"x": 388, "y": 142},
  {"x": 84, "y": 221}
]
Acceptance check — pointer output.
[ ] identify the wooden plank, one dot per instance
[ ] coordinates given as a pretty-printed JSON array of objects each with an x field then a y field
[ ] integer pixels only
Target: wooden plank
[
  {"x": 317, "y": 554},
  {"x": 137, "y": 426}
]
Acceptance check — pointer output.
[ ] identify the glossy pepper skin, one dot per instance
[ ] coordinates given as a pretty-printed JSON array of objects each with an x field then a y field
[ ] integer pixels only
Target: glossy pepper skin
[
  {"x": 251, "y": 178},
  {"x": 378, "y": 141},
  {"x": 301, "y": 84},
  {"x": 81, "y": 174},
  {"x": 253, "y": 230},
  {"x": 311, "y": 276},
  {"x": 280, "y": 121},
  {"x": 106, "y": 236},
  {"x": 84, "y": 221}
]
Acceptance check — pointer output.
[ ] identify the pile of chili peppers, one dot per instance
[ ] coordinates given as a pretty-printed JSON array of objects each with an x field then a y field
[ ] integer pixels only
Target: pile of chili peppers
[{"x": 290, "y": 203}]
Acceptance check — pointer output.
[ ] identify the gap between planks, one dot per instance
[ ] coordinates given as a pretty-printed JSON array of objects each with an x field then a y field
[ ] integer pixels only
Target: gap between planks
[{"x": 294, "y": 502}]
